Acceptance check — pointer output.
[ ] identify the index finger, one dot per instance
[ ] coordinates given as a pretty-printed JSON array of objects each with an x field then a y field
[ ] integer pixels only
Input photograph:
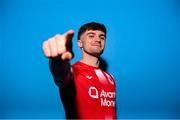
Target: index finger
[
  {"x": 68, "y": 35},
  {"x": 68, "y": 40}
]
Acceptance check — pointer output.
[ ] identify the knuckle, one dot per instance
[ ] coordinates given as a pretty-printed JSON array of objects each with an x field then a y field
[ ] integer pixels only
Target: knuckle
[
  {"x": 54, "y": 50},
  {"x": 58, "y": 37},
  {"x": 45, "y": 45},
  {"x": 46, "y": 52}
]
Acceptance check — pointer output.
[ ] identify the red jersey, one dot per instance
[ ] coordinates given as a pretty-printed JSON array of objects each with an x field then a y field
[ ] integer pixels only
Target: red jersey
[
  {"x": 90, "y": 94},
  {"x": 95, "y": 92}
]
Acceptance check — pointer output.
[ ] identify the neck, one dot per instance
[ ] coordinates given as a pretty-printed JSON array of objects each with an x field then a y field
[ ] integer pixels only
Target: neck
[{"x": 90, "y": 60}]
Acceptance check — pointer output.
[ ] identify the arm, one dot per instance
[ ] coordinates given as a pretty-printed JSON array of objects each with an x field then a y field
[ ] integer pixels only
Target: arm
[
  {"x": 61, "y": 71},
  {"x": 59, "y": 50}
]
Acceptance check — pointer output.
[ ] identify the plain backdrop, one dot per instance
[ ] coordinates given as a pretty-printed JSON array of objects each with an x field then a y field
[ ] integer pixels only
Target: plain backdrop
[{"x": 142, "y": 52}]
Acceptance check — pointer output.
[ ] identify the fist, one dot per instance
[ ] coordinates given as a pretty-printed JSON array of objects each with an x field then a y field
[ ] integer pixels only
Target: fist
[{"x": 59, "y": 46}]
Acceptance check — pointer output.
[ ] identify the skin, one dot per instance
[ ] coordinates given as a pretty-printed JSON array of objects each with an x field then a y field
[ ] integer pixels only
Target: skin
[
  {"x": 57, "y": 46},
  {"x": 91, "y": 42}
]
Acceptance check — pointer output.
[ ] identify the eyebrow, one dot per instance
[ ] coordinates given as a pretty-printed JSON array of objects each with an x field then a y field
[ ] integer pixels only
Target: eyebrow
[
  {"x": 94, "y": 34},
  {"x": 90, "y": 33}
]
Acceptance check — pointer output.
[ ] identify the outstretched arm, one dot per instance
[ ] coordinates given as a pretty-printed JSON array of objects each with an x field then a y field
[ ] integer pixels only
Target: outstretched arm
[{"x": 59, "y": 50}]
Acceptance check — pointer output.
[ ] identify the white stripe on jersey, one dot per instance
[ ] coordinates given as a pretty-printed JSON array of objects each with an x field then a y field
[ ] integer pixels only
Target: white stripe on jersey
[{"x": 101, "y": 76}]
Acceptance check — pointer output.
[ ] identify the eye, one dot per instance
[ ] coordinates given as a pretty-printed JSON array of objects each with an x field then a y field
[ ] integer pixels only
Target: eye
[
  {"x": 91, "y": 36},
  {"x": 102, "y": 37}
]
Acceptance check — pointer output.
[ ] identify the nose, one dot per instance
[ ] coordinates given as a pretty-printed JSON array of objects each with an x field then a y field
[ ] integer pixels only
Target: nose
[{"x": 97, "y": 39}]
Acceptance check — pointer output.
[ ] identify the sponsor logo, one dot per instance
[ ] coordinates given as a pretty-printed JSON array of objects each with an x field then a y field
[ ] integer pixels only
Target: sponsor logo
[
  {"x": 93, "y": 92},
  {"x": 107, "y": 98}
]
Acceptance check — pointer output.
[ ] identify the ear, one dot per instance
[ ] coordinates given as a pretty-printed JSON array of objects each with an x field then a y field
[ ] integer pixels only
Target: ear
[{"x": 79, "y": 42}]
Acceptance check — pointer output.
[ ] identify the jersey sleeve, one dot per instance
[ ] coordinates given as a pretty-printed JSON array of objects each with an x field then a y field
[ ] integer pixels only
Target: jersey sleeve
[{"x": 61, "y": 72}]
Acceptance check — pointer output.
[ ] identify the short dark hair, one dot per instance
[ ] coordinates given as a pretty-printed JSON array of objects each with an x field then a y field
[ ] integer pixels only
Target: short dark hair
[{"x": 91, "y": 26}]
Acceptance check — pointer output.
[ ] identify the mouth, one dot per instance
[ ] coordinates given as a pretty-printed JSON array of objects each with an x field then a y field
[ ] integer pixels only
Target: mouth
[{"x": 97, "y": 45}]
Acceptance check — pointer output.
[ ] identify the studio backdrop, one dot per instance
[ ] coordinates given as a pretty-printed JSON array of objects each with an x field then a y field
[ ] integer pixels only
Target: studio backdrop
[{"x": 142, "y": 52}]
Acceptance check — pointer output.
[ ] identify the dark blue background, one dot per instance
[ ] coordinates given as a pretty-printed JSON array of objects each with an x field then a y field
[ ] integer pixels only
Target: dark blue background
[{"x": 142, "y": 53}]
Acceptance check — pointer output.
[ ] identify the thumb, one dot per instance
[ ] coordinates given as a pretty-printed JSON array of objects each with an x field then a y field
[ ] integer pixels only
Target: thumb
[{"x": 67, "y": 55}]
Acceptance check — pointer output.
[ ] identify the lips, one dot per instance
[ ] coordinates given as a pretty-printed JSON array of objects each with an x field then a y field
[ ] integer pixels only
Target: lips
[{"x": 98, "y": 45}]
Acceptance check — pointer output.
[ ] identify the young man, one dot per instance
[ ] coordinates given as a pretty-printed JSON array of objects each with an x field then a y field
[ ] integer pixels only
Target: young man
[{"x": 86, "y": 91}]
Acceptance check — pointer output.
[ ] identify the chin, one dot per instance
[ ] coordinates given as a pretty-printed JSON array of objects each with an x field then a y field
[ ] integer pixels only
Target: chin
[{"x": 97, "y": 53}]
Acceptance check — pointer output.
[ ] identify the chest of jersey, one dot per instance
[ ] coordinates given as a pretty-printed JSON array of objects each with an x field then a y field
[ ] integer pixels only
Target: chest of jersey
[{"x": 95, "y": 93}]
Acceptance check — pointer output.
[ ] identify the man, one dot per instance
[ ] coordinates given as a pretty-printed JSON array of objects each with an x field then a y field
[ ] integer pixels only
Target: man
[{"x": 86, "y": 91}]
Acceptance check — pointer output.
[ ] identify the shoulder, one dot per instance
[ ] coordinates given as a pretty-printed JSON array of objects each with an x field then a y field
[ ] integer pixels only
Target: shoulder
[
  {"x": 110, "y": 77},
  {"x": 107, "y": 73},
  {"x": 75, "y": 64},
  {"x": 77, "y": 67},
  {"x": 110, "y": 74}
]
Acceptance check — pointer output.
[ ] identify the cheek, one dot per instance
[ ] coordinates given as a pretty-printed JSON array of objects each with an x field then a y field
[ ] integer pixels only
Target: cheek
[
  {"x": 103, "y": 44},
  {"x": 88, "y": 43},
  {"x": 85, "y": 44}
]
